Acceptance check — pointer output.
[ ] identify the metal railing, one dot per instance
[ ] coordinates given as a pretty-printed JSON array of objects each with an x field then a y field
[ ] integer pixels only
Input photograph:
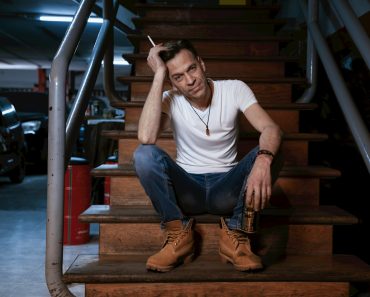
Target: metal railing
[
  {"x": 61, "y": 136},
  {"x": 345, "y": 100}
]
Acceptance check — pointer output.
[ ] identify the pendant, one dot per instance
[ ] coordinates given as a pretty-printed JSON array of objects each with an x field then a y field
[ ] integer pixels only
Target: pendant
[{"x": 207, "y": 131}]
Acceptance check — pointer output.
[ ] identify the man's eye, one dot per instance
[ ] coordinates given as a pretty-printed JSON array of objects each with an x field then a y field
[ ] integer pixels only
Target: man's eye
[
  {"x": 177, "y": 78},
  {"x": 192, "y": 68}
]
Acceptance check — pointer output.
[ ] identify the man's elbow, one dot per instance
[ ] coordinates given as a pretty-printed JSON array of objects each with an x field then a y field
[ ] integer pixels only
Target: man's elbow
[{"x": 146, "y": 139}]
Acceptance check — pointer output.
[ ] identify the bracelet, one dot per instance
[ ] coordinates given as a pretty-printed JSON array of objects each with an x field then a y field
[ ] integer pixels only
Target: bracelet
[{"x": 265, "y": 152}]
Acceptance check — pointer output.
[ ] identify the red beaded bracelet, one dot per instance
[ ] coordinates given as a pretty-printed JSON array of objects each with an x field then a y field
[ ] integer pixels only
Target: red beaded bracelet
[{"x": 265, "y": 152}]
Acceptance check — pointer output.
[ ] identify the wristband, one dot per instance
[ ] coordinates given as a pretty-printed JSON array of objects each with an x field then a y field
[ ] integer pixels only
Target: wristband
[{"x": 265, "y": 152}]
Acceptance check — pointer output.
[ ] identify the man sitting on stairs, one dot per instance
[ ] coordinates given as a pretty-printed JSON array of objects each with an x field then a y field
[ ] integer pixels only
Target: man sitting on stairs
[{"x": 206, "y": 177}]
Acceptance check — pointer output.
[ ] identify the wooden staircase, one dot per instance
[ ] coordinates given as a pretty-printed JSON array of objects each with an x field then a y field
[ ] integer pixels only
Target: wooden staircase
[{"x": 295, "y": 240}]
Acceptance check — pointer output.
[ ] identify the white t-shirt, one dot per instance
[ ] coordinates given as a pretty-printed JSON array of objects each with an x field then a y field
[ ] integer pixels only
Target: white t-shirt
[{"x": 197, "y": 152}]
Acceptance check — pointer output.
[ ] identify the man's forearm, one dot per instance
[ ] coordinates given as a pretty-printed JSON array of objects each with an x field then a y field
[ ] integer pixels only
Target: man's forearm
[
  {"x": 270, "y": 138},
  {"x": 150, "y": 119}
]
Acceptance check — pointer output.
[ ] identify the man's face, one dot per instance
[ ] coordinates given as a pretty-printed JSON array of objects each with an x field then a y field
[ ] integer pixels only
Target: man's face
[{"x": 187, "y": 74}]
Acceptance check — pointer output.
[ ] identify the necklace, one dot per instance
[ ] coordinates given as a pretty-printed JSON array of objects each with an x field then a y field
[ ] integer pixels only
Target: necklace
[{"x": 209, "y": 111}]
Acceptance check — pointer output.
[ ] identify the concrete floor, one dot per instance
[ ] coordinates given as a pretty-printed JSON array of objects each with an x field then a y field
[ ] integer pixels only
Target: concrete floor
[{"x": 22, "y": 239}]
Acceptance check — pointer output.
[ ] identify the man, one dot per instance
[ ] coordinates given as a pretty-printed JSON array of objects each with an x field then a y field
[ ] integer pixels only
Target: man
[{"x": 206, "y": 177}]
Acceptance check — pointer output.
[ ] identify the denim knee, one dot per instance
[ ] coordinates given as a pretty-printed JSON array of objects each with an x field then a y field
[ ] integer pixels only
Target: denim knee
[{"x": 143, "y": 156}]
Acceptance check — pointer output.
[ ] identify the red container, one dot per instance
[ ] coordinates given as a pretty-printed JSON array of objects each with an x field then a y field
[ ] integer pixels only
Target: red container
[{"x": 77, "y": 193}]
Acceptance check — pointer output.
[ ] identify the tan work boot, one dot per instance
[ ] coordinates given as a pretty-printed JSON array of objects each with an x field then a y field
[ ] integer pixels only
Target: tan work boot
[
  {"x": 177, "y": 248},
  {"x": 236, "y": 249}
]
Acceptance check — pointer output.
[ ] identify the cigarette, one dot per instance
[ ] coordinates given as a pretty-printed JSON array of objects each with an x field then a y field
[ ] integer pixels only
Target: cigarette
[{"x": 151, "y": 40}]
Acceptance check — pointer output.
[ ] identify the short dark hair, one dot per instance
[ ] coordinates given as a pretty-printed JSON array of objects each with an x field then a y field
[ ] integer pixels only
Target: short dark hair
[{"x": 174, "y": 47}]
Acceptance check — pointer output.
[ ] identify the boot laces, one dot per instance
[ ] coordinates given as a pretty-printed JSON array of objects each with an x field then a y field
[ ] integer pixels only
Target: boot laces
[
  {"x": 174, "y": 237},
  {"x": 238, "y": 238}
]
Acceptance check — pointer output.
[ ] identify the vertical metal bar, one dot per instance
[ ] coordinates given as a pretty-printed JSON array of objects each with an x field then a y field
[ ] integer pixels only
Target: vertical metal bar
[
  {"x": 109, "y": 88},
  {"x": 354, "y": 27},
  {"x": 350, "y": 112},
  {"x": 76, "y": 115},
  {"x": 311, "y": 66},
  {"x": 56, "y": 151}
]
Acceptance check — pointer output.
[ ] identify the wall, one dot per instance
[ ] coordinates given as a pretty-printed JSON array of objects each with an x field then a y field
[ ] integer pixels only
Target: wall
[{"x": 329, "y": 21}]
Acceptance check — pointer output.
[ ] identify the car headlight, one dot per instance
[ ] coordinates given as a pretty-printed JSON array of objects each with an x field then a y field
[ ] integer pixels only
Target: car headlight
[{"x": 31, "y": 127}]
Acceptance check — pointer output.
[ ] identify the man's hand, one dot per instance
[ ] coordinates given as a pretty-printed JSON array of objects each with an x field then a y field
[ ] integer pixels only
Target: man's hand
[
  {"x": 154, "y": 60},
  {"x": 258, "y": 188}
]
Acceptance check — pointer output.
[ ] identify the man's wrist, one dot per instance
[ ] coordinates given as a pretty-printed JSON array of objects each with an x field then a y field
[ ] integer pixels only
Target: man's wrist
[{"x": 265, "y": 155}]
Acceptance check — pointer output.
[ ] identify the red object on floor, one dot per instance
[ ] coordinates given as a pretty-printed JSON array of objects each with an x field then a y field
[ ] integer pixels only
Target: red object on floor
[{"x": 77, "y": 198}]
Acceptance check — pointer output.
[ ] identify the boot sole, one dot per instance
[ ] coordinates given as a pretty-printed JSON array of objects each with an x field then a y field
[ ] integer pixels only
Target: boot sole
[
  {"x": 183, "y": 260},
  {"x": 225, "y": 259}
]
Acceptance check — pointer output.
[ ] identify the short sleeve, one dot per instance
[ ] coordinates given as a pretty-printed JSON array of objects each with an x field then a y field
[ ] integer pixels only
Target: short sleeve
[{"x": 244, "y": 96}]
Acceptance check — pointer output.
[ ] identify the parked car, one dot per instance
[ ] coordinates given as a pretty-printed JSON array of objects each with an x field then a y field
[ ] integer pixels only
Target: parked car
[
  {"x": 12, "y": 143},
  {"x": 32, "y": 109}
]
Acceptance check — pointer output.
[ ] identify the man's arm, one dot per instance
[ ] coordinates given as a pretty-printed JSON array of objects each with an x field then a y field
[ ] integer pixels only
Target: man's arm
[
  {"x": 259, "y": 181},
  {"x": 152, "y": 120}
]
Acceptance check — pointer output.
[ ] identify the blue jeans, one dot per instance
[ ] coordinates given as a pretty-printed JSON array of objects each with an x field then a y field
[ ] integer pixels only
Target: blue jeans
[{"x": 177, "y": 194}]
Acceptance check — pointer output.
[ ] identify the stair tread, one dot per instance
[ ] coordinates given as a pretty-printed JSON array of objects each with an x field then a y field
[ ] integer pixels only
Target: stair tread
[
  {"x": 220, "y": 38},
  {"x": 127, "y": 169},
  {"x": 195, "y": 21},
  {"x": 120, "y": 134},
  {"x": 321, "y": 215},
  {"x": 246, "y": 79},
  {"x": 223, "y": 57},
  {"x": 131, "y": 268},
  {"x": 267, "y": 105},
  {"x": 203, "y": 6}
]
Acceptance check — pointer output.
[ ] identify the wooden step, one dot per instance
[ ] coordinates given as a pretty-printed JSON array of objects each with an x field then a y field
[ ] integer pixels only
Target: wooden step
[
  {"x": 309, "y": 215},
  {"x": 277, "y": 90},
  {"x": 220, "y": 289},
  {"x": 294, "y": 146},
  {"x": 188, "y": 11},
  {"x": 285, "y": 115},
  {"x": 296, "y": 185},
  {"x": 267, "y": 46},
  {"x": 230, "y": 66},
  {"x": 208, "y": 27},
  {"x": 290, "y": 276},
  {"x": 309, "y": 229}
]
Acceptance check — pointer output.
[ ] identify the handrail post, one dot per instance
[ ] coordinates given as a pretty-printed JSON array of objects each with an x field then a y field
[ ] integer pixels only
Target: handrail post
[
  {"x": 56, "y": 152},
  {"x": 311, "y": 65},
  {"x": 345, "y": 100},
  {"x": 355, "y": 29},
  {"x": 108, "y": 68}
]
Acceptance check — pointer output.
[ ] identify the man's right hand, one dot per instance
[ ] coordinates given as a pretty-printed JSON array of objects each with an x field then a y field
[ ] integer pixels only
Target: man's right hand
[{"x": 154, "y": 60}]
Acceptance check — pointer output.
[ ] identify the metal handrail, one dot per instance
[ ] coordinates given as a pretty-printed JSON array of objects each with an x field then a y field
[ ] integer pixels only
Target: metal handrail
[
  {"x": 81, "y": 102},
  {"x": 58, "y": 148},
  {"x": 345, "y": 100},
  {"x": 354, "y": 27},
  {"x": 311, "y": 63},
  {"x": 109, "y": 87}
]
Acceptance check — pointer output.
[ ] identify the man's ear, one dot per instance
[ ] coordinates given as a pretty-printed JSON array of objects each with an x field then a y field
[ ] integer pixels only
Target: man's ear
[{"x": 201, "y": 62}]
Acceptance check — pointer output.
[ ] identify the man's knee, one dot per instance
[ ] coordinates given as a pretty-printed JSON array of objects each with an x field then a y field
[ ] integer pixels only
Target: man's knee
[{"x": 145, "y": 156}]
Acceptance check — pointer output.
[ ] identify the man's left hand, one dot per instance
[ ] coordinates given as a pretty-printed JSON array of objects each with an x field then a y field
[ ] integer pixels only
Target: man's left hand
[{"x": 258, "y": 188}]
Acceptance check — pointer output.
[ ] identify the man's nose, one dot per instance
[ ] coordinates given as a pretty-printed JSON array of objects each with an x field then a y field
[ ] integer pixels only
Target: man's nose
[{"x": 190, "y": 80}]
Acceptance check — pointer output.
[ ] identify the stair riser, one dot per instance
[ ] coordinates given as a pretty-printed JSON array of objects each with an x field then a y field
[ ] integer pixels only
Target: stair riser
[
  {"x": 220, "y": 289},
  {"x": 214, "y": 30},
  {"x": 288, "y": 120},
  {"x": 295, "y": 152},
  {"x": 228, "y": 68},
  {"x": 272, "y": 93},
  {"x": 287, "y": 191},
  {"x": 208, "y": 14},
  {"x": 273, "y": 239},
  {"x": 225, "y": 48}
]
